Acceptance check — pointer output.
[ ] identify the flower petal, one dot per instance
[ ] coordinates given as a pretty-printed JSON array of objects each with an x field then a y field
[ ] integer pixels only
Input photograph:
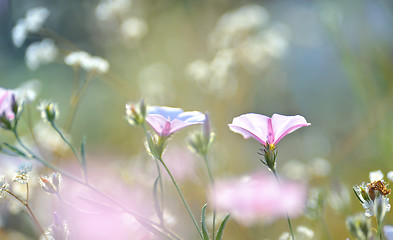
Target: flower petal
[
  {"x": 283, "y": 125},
  {"x": 251, "y": 125},
  {"x": 157, "y": 122},
  {"x": 167, "y": 113}
]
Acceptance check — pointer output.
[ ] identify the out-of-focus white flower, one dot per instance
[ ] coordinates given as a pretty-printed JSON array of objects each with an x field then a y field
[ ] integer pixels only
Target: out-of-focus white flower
[
  {"x": 27, "y": 92},
  {"x": 111, "y": 8},
  {"x": 19, "y": 33},
  {"x": 305, "y": 232},
  {"x": 320, "y": 167},
  {"x": 390, "y": 176},
  {"x": 39, "y": 53},
  {"x": 198, "y": 71},
  {"x": 77, "y": 59},
  {"x": 33, "y": 22},
  {"x": 87, "y": 62},
  {"x": 155, "y": 83},
  {"x": 21, "y": 175},
  {"x": 49, "y": 110},
  {"x": 295, "y": 169},
  {"x": 35, "y": 18},
  {"x": 96, "y": 64},
  {"x": 376, "y": 176},
  {"x": 235, "y": 25},
  {"x": 3, "y": 186},
  {"x": 134, "y": 28}
]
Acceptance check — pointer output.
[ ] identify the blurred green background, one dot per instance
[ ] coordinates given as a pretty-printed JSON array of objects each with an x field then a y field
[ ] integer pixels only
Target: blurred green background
[{"x": 330, "y": 61}]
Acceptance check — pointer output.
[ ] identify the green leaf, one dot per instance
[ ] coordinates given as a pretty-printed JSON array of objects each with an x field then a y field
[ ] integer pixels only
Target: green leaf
[
  {"x": 220, "y": 231},
  {"x": 15, "y": 150},
  {"x": 203, "y": 223},
  {"x": 157, "y": 206},
  {"x": 83, "y": 158}
]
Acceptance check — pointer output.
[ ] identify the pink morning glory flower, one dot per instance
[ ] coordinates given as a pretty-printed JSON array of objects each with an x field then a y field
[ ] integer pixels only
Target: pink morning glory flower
[
  {"x": 167, "y": 120},
  {"x": 266, "y": 130},
  {"x": 7, "y": 98}
]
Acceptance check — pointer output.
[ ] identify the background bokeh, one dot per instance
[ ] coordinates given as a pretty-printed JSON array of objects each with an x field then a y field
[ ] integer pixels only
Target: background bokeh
[{"x": 330, "y": 61}]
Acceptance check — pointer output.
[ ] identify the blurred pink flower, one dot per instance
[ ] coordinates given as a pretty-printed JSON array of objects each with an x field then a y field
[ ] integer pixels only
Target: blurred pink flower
[
  {"x": 258, "y": 198},
  {"x": 166, "y": 120},
  {"x": 7, "y": 98},
  {"x": 267, "y": 131},
  {"x": 181, "y": 162}
]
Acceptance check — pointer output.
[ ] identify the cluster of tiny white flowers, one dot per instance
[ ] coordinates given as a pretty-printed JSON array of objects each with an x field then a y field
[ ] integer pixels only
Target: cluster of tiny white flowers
[
  {"x": 39, "y": 53},
  {"x": 21, "y": 175},
  {"x": 33, "y": 22},
  {"x": 3, "y": 186},
  {"x": 27, "y": 92},
  {"x": 87, "y": 62},
  {"x": 240, "y": 37},
  {"x": 302, "y": 232},
  {"x": 112, "y": 8},
  {"x": 133, "y": 28}
]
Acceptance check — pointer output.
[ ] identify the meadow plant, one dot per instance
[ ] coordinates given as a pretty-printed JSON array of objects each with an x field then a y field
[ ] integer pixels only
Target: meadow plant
[{"x": 69, "y": 192}]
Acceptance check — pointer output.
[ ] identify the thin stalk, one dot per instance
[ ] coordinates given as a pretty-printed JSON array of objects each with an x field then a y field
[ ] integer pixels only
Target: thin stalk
[
  {"x": 379, "y": 227},
  {"x": 26, "y": 204},
  {"x": 74, "y": 103},
  {"x": 182, "y": 198},
  {"x": 71, "y": 147},
  {"x": 159, "y": 177},
  {"x": 288, "y": 219},
  {"x": 66, "y": 174},
  {"x": 213, "y": 192}
]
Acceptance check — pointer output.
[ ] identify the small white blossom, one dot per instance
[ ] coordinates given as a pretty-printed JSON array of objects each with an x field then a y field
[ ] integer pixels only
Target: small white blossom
[
  {"x": 39, "y": 53},
  {"x": 77, "y": 59},
  {"x": 134, "y": 28},
  {"x": 27, "y": 92},
  {"x": 376, "y": 176},
  {"x": 108, "y": 9},
  {"x": 21, "y": 175},
  {"x": 96, "y": 64},
  {"x": 3, "y": 186},
  {"x": 305, "y": 232},
  {"x": 35, "y": 18},
  {"x": 390, "y": 176},
  {"x": 33, "y": 22},
  {"x": 19, "y": 33},
  {"x": 49, "y": 110}
]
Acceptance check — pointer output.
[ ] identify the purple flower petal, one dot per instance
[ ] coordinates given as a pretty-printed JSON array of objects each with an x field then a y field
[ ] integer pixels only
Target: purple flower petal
[
  {"x": 388, "y": 231},
  {"x": 6, "y": 99},
  {"x": 264, "y": 129},
  {"x": 283, "y": 125},
  {"x": 166, "y": 120},
  {"x": 251, "y": 125}
]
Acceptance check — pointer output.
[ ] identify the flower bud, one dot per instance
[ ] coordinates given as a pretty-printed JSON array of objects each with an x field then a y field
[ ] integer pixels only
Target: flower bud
[
  {"x": 51, "y": 184},
  {"x": 155, "y": 145},
  {"x": 136, "y": 114},
  {"x": 49, "y": 111},
  {"x": 359, "y": 226}
]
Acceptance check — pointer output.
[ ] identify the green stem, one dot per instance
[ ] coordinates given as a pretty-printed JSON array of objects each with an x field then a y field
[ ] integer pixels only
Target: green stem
[
  {"x": 288, "y": 219},
  {"x": 379, "y": 226},
  {"x": 138, "y": 217},
  {"x": 182, "y": 198},
  {"x": 159, "y": 177},
  {"x": 72, "y": 148},
  {"x": 26, "y": 204},
  {"x": 74, "y": 103},
  {"x": 213, "y": 192}
]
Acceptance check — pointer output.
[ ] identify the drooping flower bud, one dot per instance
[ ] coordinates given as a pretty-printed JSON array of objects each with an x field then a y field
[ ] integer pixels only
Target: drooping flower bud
[
  {"x": 51, "y": 184},
  {"x": 136, "y": 113}
]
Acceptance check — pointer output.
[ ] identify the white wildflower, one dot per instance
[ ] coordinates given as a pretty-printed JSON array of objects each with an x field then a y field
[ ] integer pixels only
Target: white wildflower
[
  {"x": 49, "y": 139},
  {"x": 376, "y": 176},
  {"x": 134, "y": 28},
  {"x": 96, "y": 64},
  {"x": 39, "y": 53},
  {"x": 35, "y": 18},
  {"x": 27, "y": 92},
  {"x": 108, "y": 9},
  {"x": 390, "y": 176},
  {"x": 305, "y": 232},
  {"x": 198, "y": 71},
  {"x": 19, "y": 33},
  {"x": 77, "y": 59},
  {"x": 21, "y": 175},
  {"x": 33, "y": 22},
  {"x": 3, "y": 186}
]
